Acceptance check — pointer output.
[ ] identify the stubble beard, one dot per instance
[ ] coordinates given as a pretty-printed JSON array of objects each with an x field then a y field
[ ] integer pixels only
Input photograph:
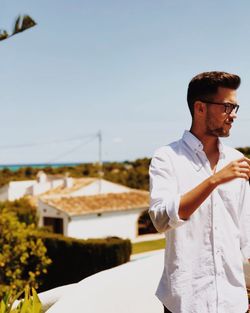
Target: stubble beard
[{"x": 213, "y": 130}]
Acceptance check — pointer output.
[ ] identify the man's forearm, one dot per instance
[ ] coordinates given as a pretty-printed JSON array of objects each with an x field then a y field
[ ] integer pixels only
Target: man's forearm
[{"x": 191, "y": 200}]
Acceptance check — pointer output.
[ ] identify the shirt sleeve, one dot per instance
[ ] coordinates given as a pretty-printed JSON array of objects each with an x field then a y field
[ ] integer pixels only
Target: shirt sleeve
[
  {"x": 245, "y": 220},
  {"x": 164, "y": 198}
]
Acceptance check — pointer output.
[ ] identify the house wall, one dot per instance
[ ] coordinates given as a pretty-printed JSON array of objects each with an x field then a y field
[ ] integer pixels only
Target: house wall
[
  {"x": 57, "y": 182},
  {"x": 120, "y": 224},
  {"x": 45, "y": 210},
  {"x": 99, "y": 186},
  {"x": 17, "y": 189},
  {"x": 41, "y": 187}
]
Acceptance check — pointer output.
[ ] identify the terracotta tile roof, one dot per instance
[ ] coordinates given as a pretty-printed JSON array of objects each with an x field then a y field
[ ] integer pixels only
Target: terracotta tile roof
[
  {"x": 55, "y": 177},
  {"x": 110, "y": 202}
]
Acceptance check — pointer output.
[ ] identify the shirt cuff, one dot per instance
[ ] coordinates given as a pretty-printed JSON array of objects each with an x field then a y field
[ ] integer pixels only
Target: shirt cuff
[{"x": 172, "y": 212}]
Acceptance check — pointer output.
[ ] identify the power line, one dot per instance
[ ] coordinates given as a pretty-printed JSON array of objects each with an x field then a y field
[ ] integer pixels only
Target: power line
[
  {"x": 57, "y": 141},
  {"x": 72, "y": 150},
  {"x": 85, "y": 139}
]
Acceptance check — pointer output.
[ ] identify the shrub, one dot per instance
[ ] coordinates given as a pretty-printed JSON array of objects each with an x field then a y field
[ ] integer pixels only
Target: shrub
[
  {"x": 73, "y": 259},
  {"x": 22, "y": 254},
  {"x": 23, "y": 209}
]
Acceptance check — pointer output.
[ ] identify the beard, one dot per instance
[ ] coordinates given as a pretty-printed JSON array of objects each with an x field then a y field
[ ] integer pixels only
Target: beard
[
  {"x": 218, "y": 129},
  {"x": 218, "y": 132}
]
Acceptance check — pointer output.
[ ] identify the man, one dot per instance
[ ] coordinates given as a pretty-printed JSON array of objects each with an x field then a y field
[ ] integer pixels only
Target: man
[{"x": 200, "y": 198}]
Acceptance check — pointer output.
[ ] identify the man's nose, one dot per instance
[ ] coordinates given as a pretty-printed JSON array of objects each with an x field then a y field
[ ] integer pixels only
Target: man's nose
[{"x": 233, "y": 114}]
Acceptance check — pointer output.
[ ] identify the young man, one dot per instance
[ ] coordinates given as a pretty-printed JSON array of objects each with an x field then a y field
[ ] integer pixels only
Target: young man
[{"x": 200, "y": 198}]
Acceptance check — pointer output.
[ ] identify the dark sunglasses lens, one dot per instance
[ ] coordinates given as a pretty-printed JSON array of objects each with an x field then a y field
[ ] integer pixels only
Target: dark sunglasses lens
[
  {"x": 231, "y": 108},
  {"x": 235, "y": 108}
]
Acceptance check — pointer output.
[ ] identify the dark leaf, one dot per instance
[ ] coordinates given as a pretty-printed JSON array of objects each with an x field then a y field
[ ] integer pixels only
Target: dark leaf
[
  {"x": 28, "y": 22},
  {"x": 23, "y": 23},
  {"x": 3, "y": 35},
  {"x": 17, "y": 27}
]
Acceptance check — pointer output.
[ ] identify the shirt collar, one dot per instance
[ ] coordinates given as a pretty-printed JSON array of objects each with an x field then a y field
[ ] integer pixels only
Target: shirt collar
[{"x": 195, "y": 144}]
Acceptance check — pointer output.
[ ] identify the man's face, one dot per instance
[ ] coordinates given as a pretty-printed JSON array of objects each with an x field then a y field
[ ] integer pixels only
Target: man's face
[{"x": 218, "y": 122}]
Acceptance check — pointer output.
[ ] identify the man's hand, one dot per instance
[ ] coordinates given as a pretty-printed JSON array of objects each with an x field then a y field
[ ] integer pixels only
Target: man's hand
[{"x": 236, "y": 169}]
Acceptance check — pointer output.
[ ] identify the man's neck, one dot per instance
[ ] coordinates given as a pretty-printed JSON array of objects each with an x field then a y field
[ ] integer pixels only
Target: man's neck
[
  {"x": 210, "y": 143},
  {"x": 210, "y": 146}
]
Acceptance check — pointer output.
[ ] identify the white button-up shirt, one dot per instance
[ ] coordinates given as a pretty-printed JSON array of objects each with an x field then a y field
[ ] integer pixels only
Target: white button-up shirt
[{"x": 203, "y": 270}]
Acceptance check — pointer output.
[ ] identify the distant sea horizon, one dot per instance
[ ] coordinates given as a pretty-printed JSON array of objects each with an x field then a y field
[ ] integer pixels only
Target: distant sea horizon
[{"x": 16, "y": 167}]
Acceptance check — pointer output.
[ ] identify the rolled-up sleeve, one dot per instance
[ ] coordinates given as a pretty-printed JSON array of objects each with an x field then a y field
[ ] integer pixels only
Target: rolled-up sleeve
[
  {"x": 164, "y": 197},
  {"x": 245, "y": 220}
]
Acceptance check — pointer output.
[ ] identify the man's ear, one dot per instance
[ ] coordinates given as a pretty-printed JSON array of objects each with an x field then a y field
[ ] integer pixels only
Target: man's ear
[{"x": 199, "y": 107}]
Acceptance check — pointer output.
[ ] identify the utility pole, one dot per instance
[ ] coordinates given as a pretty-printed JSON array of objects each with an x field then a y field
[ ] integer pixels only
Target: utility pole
[{"x": 100, "y": 171}]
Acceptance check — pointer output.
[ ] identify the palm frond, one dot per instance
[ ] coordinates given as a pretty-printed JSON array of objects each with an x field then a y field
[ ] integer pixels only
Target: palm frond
[
  {"x": 22, "y": 23},
  {"x": 3, "y": 35}
]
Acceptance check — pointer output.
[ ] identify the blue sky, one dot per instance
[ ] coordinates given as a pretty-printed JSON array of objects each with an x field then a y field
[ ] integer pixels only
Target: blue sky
[{"x": 121, "y": 67}]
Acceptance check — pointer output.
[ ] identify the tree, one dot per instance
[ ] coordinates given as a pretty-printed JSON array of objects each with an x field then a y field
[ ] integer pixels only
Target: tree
[
  {"x": 22, "y": 23},
  {"x": 24, "y": 210},
  {"x": 22, "y": 254}
]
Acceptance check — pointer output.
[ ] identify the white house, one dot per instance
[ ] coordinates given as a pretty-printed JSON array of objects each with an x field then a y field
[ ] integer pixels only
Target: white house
[
  {"x": 99, "y": 215},
  {"x": 43, "y": 183},
  {"x": 85, "y": 187},
  {"x": 57, "y": 186},
  {"x": 83, "y": 207}
]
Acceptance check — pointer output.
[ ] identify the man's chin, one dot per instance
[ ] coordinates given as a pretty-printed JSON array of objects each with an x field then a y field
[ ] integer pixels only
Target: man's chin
[
  {"x": 219, "y": 133},
  {"x": 224, "y": 135}
]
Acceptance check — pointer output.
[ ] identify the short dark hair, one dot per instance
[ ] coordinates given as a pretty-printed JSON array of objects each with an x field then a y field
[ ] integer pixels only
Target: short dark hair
[{"x": 205, "y": 85}]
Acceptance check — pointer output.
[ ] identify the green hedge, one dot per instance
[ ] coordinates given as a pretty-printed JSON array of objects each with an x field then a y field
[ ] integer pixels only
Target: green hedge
[{"x": 73, "y": 259}]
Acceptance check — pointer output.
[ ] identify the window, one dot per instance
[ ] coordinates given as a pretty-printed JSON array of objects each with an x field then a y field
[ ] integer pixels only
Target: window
[
  {"x": 55, "y": 224},
  {"x": 145, "y": 225}
]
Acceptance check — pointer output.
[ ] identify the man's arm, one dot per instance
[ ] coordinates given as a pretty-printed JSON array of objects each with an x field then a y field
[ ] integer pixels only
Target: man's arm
[
  {"x": 191, "y": 200},
  {"x": 168, "y": 209}
]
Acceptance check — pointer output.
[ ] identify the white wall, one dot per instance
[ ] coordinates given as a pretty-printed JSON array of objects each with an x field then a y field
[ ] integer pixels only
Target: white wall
[
  {"x": 45, "y": 210},
  {"x": 57, "y": 182},
  {"x": 17, "y": 189},
  {"x": 39, "y": 188},
  {"x": 121, "y": 224},
  {"x": 103, "y": 186}
]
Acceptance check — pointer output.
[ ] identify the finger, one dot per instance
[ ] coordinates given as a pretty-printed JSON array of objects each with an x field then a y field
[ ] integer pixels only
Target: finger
[
  {"x": 244, "y": 164},
  {"x": 243, "y": 159},
  {"x": 243, "y": 175},
  {"x": 236, "y": 163},
  {"x": 247, "y": 160},
  {"x": 244, "y": 170}
]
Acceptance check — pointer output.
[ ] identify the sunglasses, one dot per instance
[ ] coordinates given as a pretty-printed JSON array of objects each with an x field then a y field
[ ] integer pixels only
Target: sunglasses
[{"x": 229, "y": 107}]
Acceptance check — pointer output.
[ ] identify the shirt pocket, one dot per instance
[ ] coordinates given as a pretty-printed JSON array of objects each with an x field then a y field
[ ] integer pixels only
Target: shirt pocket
[{"x": 230, "y": 193}]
